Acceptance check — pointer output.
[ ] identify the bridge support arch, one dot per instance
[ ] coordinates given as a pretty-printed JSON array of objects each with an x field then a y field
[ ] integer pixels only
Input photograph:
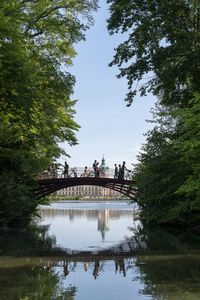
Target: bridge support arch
[{"x": 48, "y": 186}]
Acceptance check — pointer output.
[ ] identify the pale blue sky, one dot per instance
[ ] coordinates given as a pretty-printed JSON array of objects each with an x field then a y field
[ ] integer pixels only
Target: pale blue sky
[{"x": 107, "y": 126}]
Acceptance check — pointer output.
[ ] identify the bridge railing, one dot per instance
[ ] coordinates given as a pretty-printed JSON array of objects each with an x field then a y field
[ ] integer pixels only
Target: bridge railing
[{"x": 80, "y": 172}]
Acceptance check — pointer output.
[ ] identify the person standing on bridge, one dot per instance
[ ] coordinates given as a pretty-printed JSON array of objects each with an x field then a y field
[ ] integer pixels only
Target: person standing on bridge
[
  {"x": 86, "y": 172},
  {"x": 66, "y": 170},
  {"x": 120, "y": 172},
  {"x": 97, "y": 170},
  {"x": 95, "y": 167},
  {"x": 116, "y": 172},
  {"x": 123, "y": 169}
]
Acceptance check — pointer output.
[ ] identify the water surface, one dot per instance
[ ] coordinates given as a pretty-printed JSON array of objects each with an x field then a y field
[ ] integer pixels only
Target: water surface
[
  {"x": 86, "y": 226},
  {"x": 98, "y": 251}
]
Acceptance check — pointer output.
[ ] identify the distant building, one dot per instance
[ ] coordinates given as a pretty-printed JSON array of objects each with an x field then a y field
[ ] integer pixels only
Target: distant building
[
  {"x": 90, "y": 191},
  {"x": 104, "y": 168}
]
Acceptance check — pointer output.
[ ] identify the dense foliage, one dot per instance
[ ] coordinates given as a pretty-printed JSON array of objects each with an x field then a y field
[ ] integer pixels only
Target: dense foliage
[
  {"x": 163, "y": 46},
  {"x": 36, "y": 112},
  {"x": 163, "y": 42},
  {"x": 161, "y": 172}
]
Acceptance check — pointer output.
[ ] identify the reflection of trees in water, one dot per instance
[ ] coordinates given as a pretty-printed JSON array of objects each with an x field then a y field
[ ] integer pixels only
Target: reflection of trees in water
[
  {"x": 35, "y": 241},
  {"x": 169, "y": 277},
  {"x": 33, "y": 282},
  {"x": 166, "y": 263},
  {"x": 163, "y": 241},
  {"x": 158, "y": 259},
  {"x": 162, "y": 277}
]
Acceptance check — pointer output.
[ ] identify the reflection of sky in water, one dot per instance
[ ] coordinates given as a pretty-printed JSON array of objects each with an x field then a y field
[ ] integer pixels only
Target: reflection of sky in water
[
  {"x": 78, "y": 228},
  {"x": 108, "y": 284}
]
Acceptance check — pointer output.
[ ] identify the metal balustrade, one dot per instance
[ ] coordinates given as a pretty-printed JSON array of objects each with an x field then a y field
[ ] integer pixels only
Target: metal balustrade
[
  {"x": 79, "y": 172},
  {"x": 54, "y": 180}
]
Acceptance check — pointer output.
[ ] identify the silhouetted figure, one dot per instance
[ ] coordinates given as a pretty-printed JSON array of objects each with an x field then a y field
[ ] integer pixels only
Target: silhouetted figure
[
  {"x": 96, "y": 269},
  {"x": 66, "y": 170},
  {"x": 116, "y": 171},
  {"x": 123, "y": 169},
  {"x": 116, "y": 266},
  {"x": 95, "y": 167},
  {"x": 97, "y": 170},
  {"x": 120, "y": 172},
  {"x": 66, "y": 271},
  {"x": 122, "y": 267}
]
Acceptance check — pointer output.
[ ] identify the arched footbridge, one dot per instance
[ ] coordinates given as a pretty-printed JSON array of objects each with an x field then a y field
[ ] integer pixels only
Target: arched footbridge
[{"x": 51, "y": 185}]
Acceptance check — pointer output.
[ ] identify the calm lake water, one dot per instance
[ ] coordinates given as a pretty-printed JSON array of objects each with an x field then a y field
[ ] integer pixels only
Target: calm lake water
[{"x": 98, "y": 250}]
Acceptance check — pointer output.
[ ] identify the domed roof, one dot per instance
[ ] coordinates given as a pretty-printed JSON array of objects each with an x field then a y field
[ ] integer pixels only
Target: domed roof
[{"x": 103, "y": 164}]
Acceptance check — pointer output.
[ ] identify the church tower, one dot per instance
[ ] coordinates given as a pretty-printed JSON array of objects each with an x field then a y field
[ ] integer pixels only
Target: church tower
[{"x": 104, "y": 168}]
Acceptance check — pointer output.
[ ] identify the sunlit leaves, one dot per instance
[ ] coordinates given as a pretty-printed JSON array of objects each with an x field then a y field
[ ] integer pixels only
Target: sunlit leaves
[
  {"x": 163, "y": 41},
  {"x": 37, "y": 113},
  {"x": 188, "y": 146},
  {"x": 161, "y": 55}
]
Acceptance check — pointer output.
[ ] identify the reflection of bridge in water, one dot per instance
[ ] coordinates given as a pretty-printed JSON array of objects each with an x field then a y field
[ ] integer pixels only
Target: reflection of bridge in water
[
  {"x": 121, "y": 257},
  {"x": 95, "y": 267}
]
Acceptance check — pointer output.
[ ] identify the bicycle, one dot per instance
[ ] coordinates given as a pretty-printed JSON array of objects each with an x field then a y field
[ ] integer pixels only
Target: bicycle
[
  {"x": 95, "y": 174},
  {"x": 91, "y": 174},
  {"x": 73, "y": 172},
  {"x": 129, "y": 175}
]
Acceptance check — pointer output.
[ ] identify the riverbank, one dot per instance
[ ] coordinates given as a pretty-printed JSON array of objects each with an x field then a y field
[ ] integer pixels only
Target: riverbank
[{"x": 75, "y": 198}]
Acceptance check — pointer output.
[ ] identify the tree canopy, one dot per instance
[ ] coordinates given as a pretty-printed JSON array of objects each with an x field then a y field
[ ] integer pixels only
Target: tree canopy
[
  {"x": 36, "y": 110},
  {"x": 161, "y": 53}
]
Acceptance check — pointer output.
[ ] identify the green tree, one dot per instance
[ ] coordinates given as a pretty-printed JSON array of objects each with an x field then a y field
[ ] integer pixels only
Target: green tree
[
  {"x": 160, "y": 172},
  {"x": 36, "y": 110},
  {"x": 34, "y": 282},
  {"x": 162, "y": 45},
  {"x": 188, "y": 146}
]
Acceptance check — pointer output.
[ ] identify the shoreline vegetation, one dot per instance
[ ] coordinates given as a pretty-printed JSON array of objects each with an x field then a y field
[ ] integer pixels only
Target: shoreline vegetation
[{"x": 57, "y": 198}]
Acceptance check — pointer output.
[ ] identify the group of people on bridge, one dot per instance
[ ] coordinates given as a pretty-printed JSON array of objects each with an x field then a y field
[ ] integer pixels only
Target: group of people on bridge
[
  {"x": 118, "y": 174},
  {"x": 98, "y": 171},
  {"x": 120, "y": 170}
]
